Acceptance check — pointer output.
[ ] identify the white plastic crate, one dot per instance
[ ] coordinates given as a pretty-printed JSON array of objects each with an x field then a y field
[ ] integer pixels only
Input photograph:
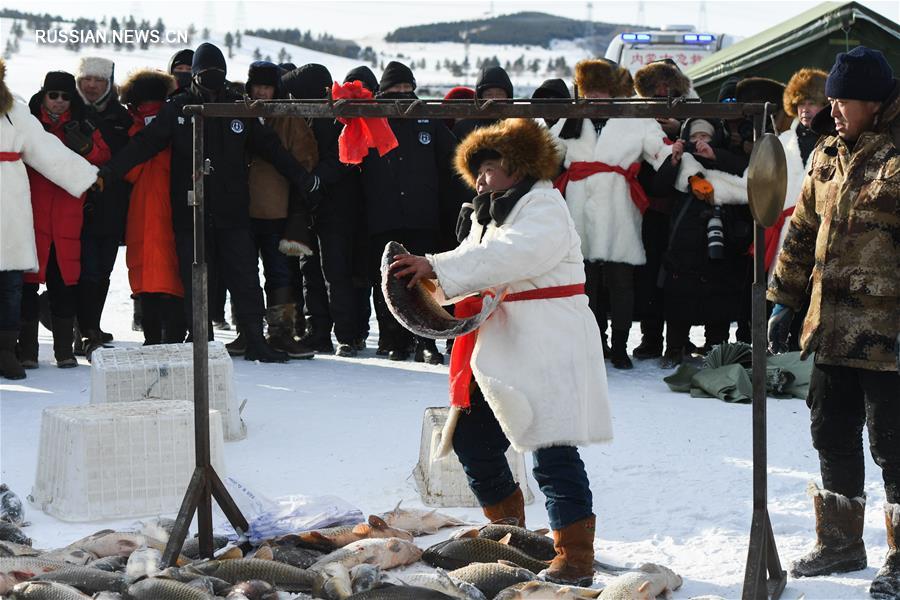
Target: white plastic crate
[
  {"x": 112, "y": 461},
  {"x": 442, "y": 482},
  {"x": 166, "y": 372}
]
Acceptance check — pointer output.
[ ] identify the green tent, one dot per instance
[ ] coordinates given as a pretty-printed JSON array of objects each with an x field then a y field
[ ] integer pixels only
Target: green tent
[{"x": 811, "y": 39}]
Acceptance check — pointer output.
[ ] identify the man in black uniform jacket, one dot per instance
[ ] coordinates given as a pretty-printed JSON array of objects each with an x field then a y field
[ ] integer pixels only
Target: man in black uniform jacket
[{"x": 228, "y": 142}]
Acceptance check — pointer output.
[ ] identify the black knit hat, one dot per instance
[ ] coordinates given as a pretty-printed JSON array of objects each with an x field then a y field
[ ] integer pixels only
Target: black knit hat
[
  {"x": 728, "y": 89},
  {"x": 493, "y": 77},
  {"x": 309, "y": 82},
  {"x": 263, "y": 72},
  {"x": 182, "y": 57},
  {"x": 365, "y": 75},
  {"x": 552, "y": 88},
  {"x": 394, "y": 73},
  {"x": 861, "y": 74},
  {"x": 208, "y": 56}
]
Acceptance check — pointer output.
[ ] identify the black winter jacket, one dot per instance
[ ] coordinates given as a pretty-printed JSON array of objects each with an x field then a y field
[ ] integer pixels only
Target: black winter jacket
[
  {"x": 105, "y": 212},
  {"x": 412, "y": 186},
  {"x": 228, "y": 143}
]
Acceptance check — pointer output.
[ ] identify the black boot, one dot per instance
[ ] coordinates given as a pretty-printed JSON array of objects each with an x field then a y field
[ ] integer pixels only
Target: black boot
[
  {"x": 151, "y": 318},
  {"x": 62, "y": 342},
  {"x": 281, "y": 332},
  {"x": 27, "y": 348},
  {"x": 77, "y": 341},
  {"x": 91, "y": 340},
  {"x": 10, "y": 367},
  {"x": 238, "y": 346},
  {"x": 887, "y": 582},
  {"x": 607, "y": 351},
  {"x": 839, "y": 527},
  {"x": 427, "y": 352},
  {"x": 672, "y": 358},
  {"x": 102, "y": 292},
  {"x": 257, "y": 348},
  {"x": 619, "y": 353},
  {"x": 137, "y": 314},
  {"x": 651, "y": 345}
]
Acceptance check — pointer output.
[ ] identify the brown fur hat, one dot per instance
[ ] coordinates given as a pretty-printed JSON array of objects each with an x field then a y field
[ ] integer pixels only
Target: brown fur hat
[
  {"x": 602, "y": 74},
  {"x": 146, "y": 85},
  {"x": 805, "y": 84},
  {"x": 649, "y": 77},
  {"x": 523, "y": 146},
  {"x": 6, "y": 97}
]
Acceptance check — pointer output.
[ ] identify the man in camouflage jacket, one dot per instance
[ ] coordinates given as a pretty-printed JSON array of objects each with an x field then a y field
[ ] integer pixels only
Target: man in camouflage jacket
[{"x": 843, "y": 249}]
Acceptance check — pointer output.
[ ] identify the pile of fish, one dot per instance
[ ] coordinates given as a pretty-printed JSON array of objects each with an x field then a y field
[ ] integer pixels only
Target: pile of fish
[{"x": 497, "y": 561}]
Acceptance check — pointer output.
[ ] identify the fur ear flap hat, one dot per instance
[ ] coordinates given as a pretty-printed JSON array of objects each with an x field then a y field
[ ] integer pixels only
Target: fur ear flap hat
[
  {"x": 805, "y": 84},
  {"x": 651, "y": 78},
  {"x": 603, "y": 74},
  {"x": 146, "y": 85},
  {"x": 95, "y": 66},
  {"x": 523, "y": 146}
]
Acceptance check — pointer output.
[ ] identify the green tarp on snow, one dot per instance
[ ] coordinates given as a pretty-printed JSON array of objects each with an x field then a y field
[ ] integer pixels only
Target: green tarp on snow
[{"x": 786, "y": 377}]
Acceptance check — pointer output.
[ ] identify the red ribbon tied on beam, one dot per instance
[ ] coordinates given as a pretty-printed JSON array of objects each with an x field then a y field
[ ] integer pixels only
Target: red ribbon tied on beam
[{"x": 361, "y": 133}]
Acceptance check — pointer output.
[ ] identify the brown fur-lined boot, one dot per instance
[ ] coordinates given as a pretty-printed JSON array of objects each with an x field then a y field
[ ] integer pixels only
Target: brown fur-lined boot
[
  {"x": 574, "y": 561},
  {"x": 511, "y": 507},
  {"x": 839, "y": 527},
  {"x": 887, "y": 582}
]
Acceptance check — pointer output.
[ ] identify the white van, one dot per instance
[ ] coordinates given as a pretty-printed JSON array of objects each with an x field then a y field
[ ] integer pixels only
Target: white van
[{"x": 634, "y": 49}]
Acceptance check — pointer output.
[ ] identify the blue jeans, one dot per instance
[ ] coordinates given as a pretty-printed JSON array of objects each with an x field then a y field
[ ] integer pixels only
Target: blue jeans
[
  {"x": 10, "y": 300},
  {"x": 481, "y": 446},
  {"x": 266, "y": 235}
]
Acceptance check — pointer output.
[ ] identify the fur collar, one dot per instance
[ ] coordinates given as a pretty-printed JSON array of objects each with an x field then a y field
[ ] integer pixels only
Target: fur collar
[
  {"x": 6, "y": 97},
  {"x": 491, "y": 206}
]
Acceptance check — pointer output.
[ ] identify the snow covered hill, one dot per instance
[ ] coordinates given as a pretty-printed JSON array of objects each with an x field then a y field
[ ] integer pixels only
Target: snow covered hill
[{"x": 26, "y": 68}]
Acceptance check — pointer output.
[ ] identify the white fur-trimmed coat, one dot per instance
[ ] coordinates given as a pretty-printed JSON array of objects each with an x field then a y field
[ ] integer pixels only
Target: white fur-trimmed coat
[
  {"x": 605, "y": 217},
  {"x": 796, "y": 172},
  {"x": 21, "y": 132},
  {"x": 539, "y": 363}
]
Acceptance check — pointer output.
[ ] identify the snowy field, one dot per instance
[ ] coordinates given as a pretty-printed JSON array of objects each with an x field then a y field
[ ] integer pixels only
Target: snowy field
[
  {"x": 674, "y": 487},
  {"x": 26, "y": 68}
]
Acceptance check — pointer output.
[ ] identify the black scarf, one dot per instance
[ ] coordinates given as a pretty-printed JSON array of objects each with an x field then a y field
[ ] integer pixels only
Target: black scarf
[{"x": 491, "y": 206}]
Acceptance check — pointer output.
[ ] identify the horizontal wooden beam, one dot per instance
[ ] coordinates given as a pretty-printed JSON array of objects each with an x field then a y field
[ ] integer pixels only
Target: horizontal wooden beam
[{"x": 485, "y": 109}]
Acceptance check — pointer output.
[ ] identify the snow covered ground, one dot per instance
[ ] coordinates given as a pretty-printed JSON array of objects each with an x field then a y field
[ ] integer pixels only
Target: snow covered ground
[{"x": 674, "y": 487}]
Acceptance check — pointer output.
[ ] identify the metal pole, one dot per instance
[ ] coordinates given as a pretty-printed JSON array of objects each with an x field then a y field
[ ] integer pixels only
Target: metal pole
[
  {"x": 204, "y": 482},
  {"x": 762, "y": 556}
]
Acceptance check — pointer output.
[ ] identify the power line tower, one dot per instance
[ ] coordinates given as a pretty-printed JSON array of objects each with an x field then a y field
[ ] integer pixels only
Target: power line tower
[
  {"x": 641, "y": 16},
  {"x": 589, "y": 23},
  {"x": 701, "y": 17}
]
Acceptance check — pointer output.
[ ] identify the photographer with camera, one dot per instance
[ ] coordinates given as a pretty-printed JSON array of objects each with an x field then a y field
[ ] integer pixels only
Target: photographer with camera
[
  {"x": 58, "y": 218},
  {"x": 703, "y": 267}
]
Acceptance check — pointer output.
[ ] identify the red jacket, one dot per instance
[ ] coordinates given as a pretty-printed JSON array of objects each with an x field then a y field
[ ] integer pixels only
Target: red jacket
[
  {"x": 149, "y": 236},
  {"x": 57, "y": 214}
]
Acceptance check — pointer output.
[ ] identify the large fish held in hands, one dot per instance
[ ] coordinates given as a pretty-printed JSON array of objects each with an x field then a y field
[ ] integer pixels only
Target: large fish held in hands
[{"x": 417, "y": 310}]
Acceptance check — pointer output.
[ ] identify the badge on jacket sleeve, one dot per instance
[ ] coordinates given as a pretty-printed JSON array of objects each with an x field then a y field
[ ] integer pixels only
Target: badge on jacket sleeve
[
  {"x": 424, "y": 137},
  {"x": 237, "y": 126}
]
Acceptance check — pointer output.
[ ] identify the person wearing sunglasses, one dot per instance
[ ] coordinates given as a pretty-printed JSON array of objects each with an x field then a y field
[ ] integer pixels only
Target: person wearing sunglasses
[{"x": 58, "y": 217}]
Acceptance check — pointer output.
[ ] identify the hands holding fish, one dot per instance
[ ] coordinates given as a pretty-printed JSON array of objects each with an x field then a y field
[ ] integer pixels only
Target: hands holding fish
[{"x": 409, "y": 264}]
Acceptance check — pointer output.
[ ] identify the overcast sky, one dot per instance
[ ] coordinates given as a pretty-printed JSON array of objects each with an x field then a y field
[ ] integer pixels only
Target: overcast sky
[{"x": 355, "y": 19}]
